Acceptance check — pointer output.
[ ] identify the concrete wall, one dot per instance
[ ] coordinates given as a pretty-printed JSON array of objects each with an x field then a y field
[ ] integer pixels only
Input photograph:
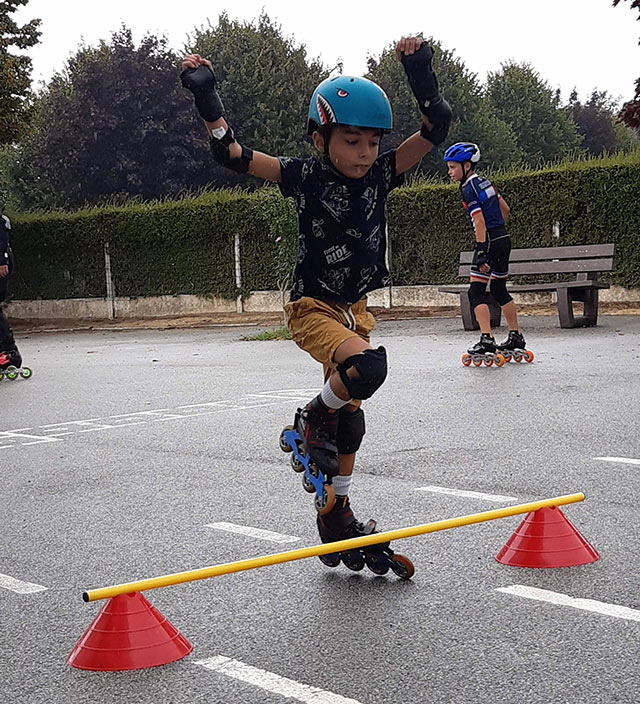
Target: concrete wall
[{"x": 259, "y": 301}]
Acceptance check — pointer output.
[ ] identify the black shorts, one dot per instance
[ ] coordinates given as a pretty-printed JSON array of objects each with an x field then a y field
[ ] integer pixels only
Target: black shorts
[{"x": 498, "y": 260}]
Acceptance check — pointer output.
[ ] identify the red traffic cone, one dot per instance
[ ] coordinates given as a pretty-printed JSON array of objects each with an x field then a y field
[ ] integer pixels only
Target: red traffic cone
[
  {"x": 128, "y": 634},
  {"x": 546, "y": 538}
]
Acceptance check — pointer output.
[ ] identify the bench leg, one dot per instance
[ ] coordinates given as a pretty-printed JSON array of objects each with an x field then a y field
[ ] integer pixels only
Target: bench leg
[
  {"x": 469, "y": 321},
  {"x": 567, "y": 296}
]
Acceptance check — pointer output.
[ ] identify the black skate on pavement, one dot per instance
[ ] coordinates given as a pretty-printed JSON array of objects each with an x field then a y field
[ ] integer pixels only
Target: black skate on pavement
[
  {"x": 341, "y": 524},
  {"x": 485, "y": 350},
  {"x": 514, "y": 347}
]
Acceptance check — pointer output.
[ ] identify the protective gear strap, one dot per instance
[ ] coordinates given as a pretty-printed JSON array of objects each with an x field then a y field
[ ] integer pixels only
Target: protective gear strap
[
  {"x": 351, "y": 430},
  {"x": 201, "y": 82},
  {"x": 439, "y": 115},
  {"x": 222, "y": 155},
  {"x": 371, "y": 366}
]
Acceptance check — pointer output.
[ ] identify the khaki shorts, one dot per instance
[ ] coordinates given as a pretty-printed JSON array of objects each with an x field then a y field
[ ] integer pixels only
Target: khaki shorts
[{"x": 319, "y": 328}]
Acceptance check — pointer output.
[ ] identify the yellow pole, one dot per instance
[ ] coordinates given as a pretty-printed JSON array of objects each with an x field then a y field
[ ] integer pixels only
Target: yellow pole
[{"x": 325, "y": 548}]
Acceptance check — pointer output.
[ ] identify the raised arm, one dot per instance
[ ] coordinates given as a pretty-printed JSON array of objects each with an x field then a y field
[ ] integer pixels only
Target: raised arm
[
  {"x": 198, "y": 77},
  {"x": 416, "y": 57}
]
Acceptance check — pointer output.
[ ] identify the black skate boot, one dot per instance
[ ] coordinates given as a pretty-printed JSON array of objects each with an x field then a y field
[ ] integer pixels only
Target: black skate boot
[
  {"x": 11, "y": 365},
  {"x": 514, "y": 348},
  {"x": 341, "y": 524},
  {"x": 312, "y": 440},
  {"x": 485, "y": 350}
]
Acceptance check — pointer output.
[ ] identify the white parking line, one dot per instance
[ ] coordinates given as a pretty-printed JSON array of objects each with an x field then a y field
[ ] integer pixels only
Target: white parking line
[
  {"x": 467, "y": 494},
  {"x": 624, "y": 460},
  {"x": 271, "y": 682},
  {"x": 53, "y": 432},
  {"x": 253, "y": 532},
  {"x": 564, "y": 600},
  {"x": 19, "y": 587}
]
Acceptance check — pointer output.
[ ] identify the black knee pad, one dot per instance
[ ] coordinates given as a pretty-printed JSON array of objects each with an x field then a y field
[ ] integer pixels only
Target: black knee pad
[
  {"x": 498, "y": 288},
  {"x": 477, "y": 293},
  {"x": 371, "y": 366},
  {"x": 351, "y": 430}
]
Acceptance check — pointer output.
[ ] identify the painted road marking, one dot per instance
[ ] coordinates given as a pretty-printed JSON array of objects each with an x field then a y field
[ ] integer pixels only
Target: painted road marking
[
  {"x": 19, "y": 587},
  {"x": 624, "y": 460},
  {"x": 565, "y": 600},
  {"x": 271, "y": 682},
  {"x": 253, "y": 532},
  {"x": 467, "y": 494},
  {"x": 53, "y": 432}
]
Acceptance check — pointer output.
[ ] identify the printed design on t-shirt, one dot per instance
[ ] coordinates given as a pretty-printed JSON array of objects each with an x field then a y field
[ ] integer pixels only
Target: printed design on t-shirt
[
  {"x": 374, "y": 238},
  {"x": 337, "y": 253},
  {"x": 335, "y": 199},
  {"x": 297, "y": 290},
  {"x": 302, "y": 249},
  {"x": 307, "y": 168},
  {"x": 300, "y": 200},
  {"x": 335, "y": 279},
  {"x": 370, "y": 196},
  {"x": 352, "y": 232},
  {"x": 366, "y": 274},
  {"x": 316, "y": 228},
  {"x": 387, "y": 173}
]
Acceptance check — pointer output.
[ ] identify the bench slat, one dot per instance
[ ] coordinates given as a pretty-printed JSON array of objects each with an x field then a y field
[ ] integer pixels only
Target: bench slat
[
  {"x": 561, "y": 267},
  {"x": 530, "y": 288},
  {"x": 545, "y": 253}
]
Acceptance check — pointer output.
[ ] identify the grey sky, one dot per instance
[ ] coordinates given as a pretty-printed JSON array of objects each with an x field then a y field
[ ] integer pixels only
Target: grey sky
[{"x": 582, "y": 43}]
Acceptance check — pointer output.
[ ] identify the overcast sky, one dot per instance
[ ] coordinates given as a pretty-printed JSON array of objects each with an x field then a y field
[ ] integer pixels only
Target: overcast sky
[{"x": 582, "y": 43}]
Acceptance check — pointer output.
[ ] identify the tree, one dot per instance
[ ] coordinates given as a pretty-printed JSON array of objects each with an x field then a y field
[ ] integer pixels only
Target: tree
[
  {"x": 15, "y": 70},
  {"x": 630, "y": 113},
  {"x": 265, "y": 81},
  {"x": 596, "y": 122},
  {"x": 116, "y": 123},
  {"x": 473, "y": 118},
  {"x": 544, "y": 129}
]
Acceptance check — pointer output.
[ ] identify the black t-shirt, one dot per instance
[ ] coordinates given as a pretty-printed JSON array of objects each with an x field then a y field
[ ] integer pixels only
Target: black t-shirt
[
  {"x": 5, "y": 249},
  {"x": 342, "y": 226}
]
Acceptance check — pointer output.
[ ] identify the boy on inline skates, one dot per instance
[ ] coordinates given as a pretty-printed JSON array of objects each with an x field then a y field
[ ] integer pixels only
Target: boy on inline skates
[
  {"x": 9, "y": 356},
  {"x": 340, "y": 198},
  {"x": 488, "y": 213}
]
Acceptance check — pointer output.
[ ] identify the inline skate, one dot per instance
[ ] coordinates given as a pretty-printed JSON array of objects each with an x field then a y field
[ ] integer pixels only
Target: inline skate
[
  {"x": 514, "y": 348},
  {"x": 11, "y": 365},
  {"x": 341, "y": 524},
  {"x": 312, "y": 441},
  {"x": 485, "y": 350}
]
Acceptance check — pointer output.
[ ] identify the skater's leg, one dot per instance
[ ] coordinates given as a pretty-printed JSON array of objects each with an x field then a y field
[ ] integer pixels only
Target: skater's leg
[
  {"x": 478, "y": 300},
  {"x": 511, "y": 314}
]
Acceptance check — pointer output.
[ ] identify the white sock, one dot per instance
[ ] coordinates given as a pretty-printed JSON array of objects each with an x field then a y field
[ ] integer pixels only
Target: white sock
[
  {"x": 329, "y": 398},
  {"x": 341, "y": 484}
]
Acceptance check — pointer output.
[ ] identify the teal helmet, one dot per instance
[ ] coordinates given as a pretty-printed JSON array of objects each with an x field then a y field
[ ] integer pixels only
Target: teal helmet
[{"x": 349, "y": 100}]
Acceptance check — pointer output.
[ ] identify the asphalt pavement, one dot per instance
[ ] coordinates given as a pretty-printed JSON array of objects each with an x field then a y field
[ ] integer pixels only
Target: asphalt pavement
[{"x": 136, "y": 454}]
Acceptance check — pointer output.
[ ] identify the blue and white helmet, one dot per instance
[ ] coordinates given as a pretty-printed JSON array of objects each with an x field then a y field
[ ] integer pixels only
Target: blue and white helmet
[
  {"x": 463, "y": 151},
  {"x": 349, "y": 100}
]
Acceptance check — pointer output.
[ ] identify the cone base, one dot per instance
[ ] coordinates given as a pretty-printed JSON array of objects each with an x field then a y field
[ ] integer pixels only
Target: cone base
[
  {"x": 128, "y": 633},
  {"x": 546, "y": 538}
]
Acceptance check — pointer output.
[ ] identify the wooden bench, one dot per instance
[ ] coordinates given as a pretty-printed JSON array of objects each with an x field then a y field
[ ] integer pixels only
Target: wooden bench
[{"x": 585, "y": 261}]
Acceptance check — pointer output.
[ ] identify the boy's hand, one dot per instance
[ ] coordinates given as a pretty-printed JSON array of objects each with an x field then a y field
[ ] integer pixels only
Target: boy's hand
[
  {"x": 408, "y": 46},
  {"x": 4, "y": 271},
  {"x": 198, "y": 77}
]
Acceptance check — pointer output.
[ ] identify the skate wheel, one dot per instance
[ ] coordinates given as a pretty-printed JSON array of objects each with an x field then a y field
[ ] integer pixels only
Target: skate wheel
[
  {"x": 377, "y": 563},
  {"x": 466, "y": 359},
  {"x": 296, "y": 463},
  {"x": 307, "y": 485},
  {"x": 353, "y": 560},
  {"x": 26, "y": 373},
  {"x": 330, "y": 560},
  {"x": 284, "y": 445},
  {"x": 402, "y": 566},
  {"x": 488, "y": 362},
  {"x": 324, "y": 505},
  {"x": 518, "y": 358},
  {"x": 477, "y": 362},
  {"x": 13, "y": 374},
  {"x": 528, "y": 356},
  {"x": 507, "y": 356},
  {"x": 500, "y": 360}
]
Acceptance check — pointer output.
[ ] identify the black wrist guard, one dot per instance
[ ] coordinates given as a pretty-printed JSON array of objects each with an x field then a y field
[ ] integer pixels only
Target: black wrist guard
[
  {"x": 481, "y": 254},
  {"x": 201, "y": 82},
  {"x": 221, "y": 154},
  {"x": 439, "y": 115},
  {"x": 422, "y": 79}
]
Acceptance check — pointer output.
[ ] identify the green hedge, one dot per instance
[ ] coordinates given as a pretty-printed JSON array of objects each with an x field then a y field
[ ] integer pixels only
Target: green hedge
[{"x": 187, "y": 246}]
